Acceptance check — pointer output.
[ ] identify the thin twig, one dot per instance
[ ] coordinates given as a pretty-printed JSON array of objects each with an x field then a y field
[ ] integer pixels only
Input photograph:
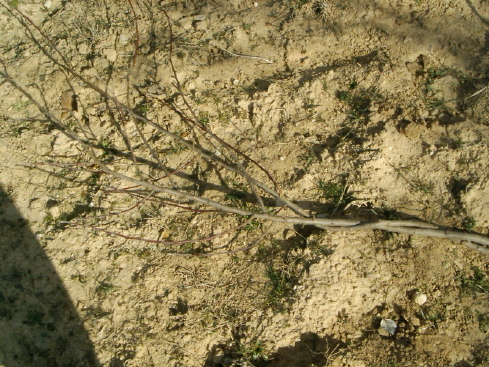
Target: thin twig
[
  {"x": 148, "y": 240},
  {"x": 242, "y": 55},
  {"x": 476, "y": 93}
]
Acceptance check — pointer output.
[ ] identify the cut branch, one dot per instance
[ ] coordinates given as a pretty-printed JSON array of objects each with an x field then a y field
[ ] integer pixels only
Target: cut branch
[{"x": 231, "y": 161}]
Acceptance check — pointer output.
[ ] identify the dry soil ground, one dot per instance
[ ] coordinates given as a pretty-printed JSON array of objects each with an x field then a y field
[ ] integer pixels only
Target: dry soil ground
[{"x": 362, "y": 108}]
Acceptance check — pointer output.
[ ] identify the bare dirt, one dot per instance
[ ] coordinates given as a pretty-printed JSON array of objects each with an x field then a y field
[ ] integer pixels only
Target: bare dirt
[{"x": 361, "y": 109}]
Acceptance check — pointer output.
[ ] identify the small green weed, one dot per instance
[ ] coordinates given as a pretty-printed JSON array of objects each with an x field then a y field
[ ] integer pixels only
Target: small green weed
[
  {"x": 237, "y": 199},
  {"x": 358, "y": 100},
  {"x": 435, "y": 314},
  {"x": 223, "y": 116},
  {"x": 103, "y": 288},
  {"x": 279, "y": 286},
  {"x": 246, "y": 353},
  {"x": 350, "y": 133},
  {"x": 253, "y": 225},
  {"x": 433, "y": 101},
  {"x": 468, "y": 223},
  {"x": 204, "y": 118},
  {"x": 325, "y": 85},
  {"x": 238, "y": 195},
  {"x": 359, "y": 104},
  {"x": 308, "y": 104},
  {"x": 107, "y": 146},
  {"x": 478, "y": 282},
  {"x": 435, "y": 73},
  {"x": 417, "y": 184},
  {"x": 432, "y": 97},
  {"x": 143, "y": 107},
  {"x": 336, "y": 193},
  {"x": 253, "y": 352},
  {"x": 49, "y": 219}
]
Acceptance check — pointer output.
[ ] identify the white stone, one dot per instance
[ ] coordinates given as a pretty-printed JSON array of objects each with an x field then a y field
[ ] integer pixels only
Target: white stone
[
  {"x": 419, "y": 298},
  {"x": 389, "y": 325}
]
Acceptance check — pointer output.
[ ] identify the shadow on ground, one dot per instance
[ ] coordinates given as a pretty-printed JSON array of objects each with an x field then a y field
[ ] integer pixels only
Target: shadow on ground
[
  {"x": 38, "y": 322},
  {"x": 310, "y": 350}
]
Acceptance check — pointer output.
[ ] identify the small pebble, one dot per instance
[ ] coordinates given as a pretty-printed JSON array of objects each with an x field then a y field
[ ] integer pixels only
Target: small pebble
[
  {"x": 388, "y": 325},
  {"x": 419, "y": 298},
  {"x": 124, "y": 39}
]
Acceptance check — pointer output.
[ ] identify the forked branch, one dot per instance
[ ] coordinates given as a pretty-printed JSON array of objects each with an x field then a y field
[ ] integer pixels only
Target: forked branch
[{"x": 203, "y": 144}]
